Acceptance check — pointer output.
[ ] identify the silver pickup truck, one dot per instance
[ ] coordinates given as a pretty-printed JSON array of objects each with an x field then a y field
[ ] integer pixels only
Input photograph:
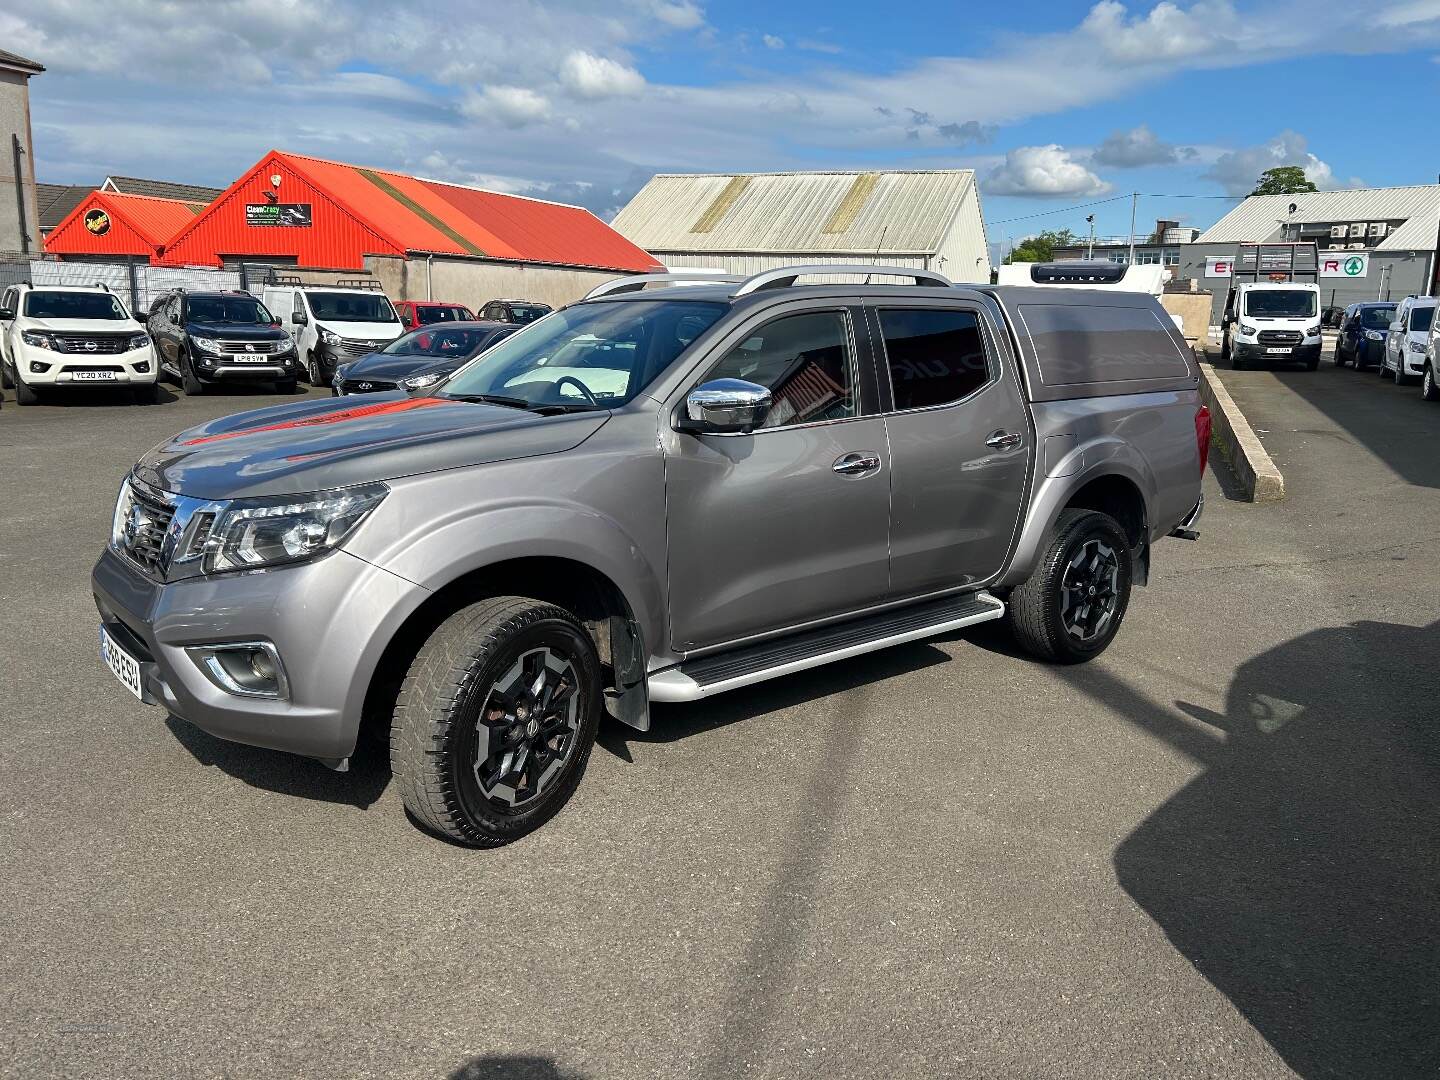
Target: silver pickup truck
[{"x": 660, "y": 493}]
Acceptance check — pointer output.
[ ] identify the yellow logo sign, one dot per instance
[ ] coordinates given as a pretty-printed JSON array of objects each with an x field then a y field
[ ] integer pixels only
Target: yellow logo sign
[{"x": 97, "y": 221}]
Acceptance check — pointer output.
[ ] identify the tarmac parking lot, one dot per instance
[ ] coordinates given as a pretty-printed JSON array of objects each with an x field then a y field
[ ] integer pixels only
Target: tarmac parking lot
[{"x": 1213, "y": 852}]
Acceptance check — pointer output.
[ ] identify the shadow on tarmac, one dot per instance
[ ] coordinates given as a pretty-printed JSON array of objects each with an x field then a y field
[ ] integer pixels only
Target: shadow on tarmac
[
  {"x": 1300, "y": 872},
  {"x": 512, "y": 1067}
]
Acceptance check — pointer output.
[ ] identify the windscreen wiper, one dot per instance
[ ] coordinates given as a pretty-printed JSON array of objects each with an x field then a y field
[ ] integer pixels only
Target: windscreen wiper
[{"x": 492, "y": 399}]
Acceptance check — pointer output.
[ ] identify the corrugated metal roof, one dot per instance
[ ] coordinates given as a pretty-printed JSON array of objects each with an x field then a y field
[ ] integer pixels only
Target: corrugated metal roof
[
  {"x": 161, "y": 189},
  {"x": 837, "y": 212},
  {"x": 134, "y": 225},
  {"x": 1259, "y": 216}
]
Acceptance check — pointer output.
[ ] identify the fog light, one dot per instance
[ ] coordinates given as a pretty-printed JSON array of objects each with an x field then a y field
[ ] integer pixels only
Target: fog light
[
  {"x": 37, "y": 368},
  {"x": 244, "y": 669},
  {"x": 143, "y": 367}
]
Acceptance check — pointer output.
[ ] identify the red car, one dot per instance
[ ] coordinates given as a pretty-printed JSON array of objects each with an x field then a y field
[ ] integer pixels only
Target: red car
[{"x": 415, "y": 313}]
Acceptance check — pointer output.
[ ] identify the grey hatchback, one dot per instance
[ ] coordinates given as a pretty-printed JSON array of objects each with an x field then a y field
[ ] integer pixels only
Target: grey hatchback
[{"x": 657, "y": 494}]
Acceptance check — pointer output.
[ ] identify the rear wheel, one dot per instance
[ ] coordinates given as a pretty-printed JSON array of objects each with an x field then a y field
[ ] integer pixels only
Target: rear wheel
[
  {"x": 1429, "y": 389},
  {"x": 1071, "y": 607},
  {"x": 495, "y": 720}
]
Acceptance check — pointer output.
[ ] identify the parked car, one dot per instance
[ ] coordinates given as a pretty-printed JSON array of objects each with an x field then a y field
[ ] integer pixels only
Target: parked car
[
  {"x": 713, "y": 486},
  {"x": 415, "y": 313},
  {"x": 1407, "y": 339},
  {"x": 514, "y": 311},
  {"x": 1361, "y": 340},
  {"x": 1332, "y": 316},
  {"x": 204, "y": 338},
  {"x": 56, "y": 337},
  {"x": 418, "y": 359},
  {"x": 332, "y": 324}
]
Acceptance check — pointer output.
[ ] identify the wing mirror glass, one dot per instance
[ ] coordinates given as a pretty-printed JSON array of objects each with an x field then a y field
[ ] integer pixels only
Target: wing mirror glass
[
  {"x": 7, "y": 313},
  {"x": 300, "y": 318},
  {"x": 726, "y": 407}
]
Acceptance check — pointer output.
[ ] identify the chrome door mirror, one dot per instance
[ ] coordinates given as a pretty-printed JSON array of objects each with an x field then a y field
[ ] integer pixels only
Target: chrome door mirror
[{"x": 726, "y": 407}]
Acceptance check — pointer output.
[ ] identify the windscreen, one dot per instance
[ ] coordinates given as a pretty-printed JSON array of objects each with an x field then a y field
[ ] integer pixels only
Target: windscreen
[
  {"x": 427, "y": 315},
  {"x": 1377, "y": 318},
  {"x": 227, "y": 309},
  {"x": 444, "y": 341},
  {"x": 351, "y": 307},
  {"x": 53, "y": 304},
  {"x": 1280, "y": 304},
  {"x": 596, "y": 355},
  {"x": 1420, "y": 318}
]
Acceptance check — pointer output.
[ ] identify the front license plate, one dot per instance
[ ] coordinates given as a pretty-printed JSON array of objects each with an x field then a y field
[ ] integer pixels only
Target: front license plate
[
  {"x": 1282, "y": 349},
  {"x": 240, "y": 358},
  {"x": 92, "y": 376},
  {"x": 125, "y": 666}
]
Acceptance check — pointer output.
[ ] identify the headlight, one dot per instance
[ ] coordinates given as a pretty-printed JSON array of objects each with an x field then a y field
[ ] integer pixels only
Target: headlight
[
  {"x": 205, "y": 344},
  {"x": 251, "y": 533},
  {"x": 1313, "y": 331},
  {"x": 36, "y": 338},
  {"x": 419, "y": 382},
  {"x": 286, "y": 342},
  {"x": 1250, "y": 330},
  {"x": 139, "y": 341},
  {"x": 329, "y": 337},
  {"x": 1374, "y": 335},
  {"x": 1417, "y": 346},
  {"x": 122, "y": 513}
]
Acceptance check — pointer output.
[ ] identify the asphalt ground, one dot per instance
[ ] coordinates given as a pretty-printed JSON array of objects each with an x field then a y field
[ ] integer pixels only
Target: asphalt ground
[{"x": 1212, "y": 853}]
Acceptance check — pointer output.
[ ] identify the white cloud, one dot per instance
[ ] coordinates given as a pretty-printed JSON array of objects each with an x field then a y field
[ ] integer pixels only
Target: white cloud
[
  {"x": 1165, "y": 32},
  {"x": 513, "y": 106},
  {"x": 1238, "y": 170},
  {"x": 679, "y": 14},
  {"x": 1047, "y": 171},
  {"x": 773, "y": 42},
  {"x": 1133, "y": 149},
  {"x": 589, "y": 76}
]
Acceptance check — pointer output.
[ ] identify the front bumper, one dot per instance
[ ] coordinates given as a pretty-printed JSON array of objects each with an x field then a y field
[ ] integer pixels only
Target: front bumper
[
  {"x": 209, "y": 368},
  {"x": 329, "y": 621},
  {"x": 69, "y": 369},
  {"x": 1298, "y": 354}
]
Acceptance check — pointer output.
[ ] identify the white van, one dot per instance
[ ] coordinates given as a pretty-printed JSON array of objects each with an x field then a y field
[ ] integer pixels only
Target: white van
[
  {"x": 1408, "y": 339},
  {"x": 333, "y": 324}
]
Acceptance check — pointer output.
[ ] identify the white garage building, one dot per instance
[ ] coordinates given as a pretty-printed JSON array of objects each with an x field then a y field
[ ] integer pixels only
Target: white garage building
[{"x": 743, "y": 223}]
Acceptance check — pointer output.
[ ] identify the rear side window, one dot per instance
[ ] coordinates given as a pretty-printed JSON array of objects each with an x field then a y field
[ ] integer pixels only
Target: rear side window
[
  {"x": 1084, "y": 344},
  {"x": 935, "y": 357},
  {"x": 1420, "y": 318}
]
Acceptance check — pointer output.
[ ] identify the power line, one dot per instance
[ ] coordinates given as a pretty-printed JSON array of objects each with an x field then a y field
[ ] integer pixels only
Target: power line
[{"x": 1117, "y": 198}]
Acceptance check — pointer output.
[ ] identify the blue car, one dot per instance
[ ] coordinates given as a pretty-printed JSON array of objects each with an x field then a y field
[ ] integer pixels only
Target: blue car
[{"x": 1361, "y": 340}]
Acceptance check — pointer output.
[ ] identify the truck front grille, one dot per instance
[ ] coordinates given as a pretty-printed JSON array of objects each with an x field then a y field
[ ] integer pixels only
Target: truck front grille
[
  {"x": 246, "y": 348},
  {"x": 1280, "y": 337},
  {"x": 142, "y": 538},
  {"x": 91, "y": 343},
  {"x": 355, "y": 347}
]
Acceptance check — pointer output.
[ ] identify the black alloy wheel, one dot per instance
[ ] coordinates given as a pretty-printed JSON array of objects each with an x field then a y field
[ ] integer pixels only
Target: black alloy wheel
[
  {"x": 189, "y": 381},
  {"x": 1090, "y": 591}
]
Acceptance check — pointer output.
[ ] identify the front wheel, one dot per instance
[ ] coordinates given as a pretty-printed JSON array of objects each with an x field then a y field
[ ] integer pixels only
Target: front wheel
[
  {"x": 315, "y": 373},
  {"x": 24, "y": 393},
  {"x": 189, "y": 381},
  {"x": 1429, "y": 389},
  {"x": 495, "y": 720},
  {"x": 1070, "y": 609}
]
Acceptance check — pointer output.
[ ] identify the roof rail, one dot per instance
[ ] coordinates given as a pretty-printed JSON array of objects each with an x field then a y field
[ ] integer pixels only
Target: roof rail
[
  {"x": 637, "y": 282},
  {"x": 370, "y": 284},
  {"x": 102, "y": 285},
  {"x": 784, "y": 276}
]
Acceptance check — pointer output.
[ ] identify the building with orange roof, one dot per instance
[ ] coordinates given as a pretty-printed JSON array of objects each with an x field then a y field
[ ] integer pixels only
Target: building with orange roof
[
  {"x": 106, "y": 225},
  {"x": 424, "y": 239}
]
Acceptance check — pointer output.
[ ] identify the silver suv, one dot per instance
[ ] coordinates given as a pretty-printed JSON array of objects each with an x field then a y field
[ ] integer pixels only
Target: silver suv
[{"x": 657, "y": 494}]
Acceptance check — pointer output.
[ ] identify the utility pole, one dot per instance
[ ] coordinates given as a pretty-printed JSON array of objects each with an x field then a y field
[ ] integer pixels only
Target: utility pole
[
  {"x": 1134, "y": 202},
  {"x": 1090, "y": 251}
]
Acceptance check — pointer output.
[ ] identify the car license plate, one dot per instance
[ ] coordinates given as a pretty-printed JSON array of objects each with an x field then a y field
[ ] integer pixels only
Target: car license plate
[
  {"x": 243, "y": 358},
  {"x": 125, "y": 666},
  {"x": 1281, "y": 349},
  {"x": 92, "y": 376}
]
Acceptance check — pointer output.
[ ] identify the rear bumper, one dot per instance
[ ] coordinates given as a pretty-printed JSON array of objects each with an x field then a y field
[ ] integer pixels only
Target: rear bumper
[{"x": 1188, "y": 529}]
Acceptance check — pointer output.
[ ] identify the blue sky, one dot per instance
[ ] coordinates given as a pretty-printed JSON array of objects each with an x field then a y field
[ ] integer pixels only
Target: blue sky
[{"x": 1056, "y": 105}]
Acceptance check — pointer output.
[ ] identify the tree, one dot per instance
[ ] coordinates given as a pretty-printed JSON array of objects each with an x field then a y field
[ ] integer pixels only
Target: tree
[
  {"x": 1041, "y": 248},
  {"x": 1283, "y": 180}
]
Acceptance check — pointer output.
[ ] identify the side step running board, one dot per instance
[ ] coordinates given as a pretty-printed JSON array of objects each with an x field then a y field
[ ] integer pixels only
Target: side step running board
[{"x": 708, "y": 675}]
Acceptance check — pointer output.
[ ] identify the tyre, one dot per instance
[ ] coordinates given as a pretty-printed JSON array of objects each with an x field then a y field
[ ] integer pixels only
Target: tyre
[
  {"x": 314, "y": 372},
  {"x": 1313, "y": 365},
  {"x": 147, "y": 394},
  {"x": 1383, "y": 371},
  {"x": 286, "y": 386},
  {"x": 495, "y": 720},
  {"x": 1336, "y": 358},
  {"x": 1404, "y": 379},
  {"x": 192, "y": 386},
  {"x": 1070, "y": 609},
  {"x": 24, "y": 393},
  {"x": 6, "y": 382},
  {"x": 1236, "y": 364},
  {"x": 1429, "y": 389}
]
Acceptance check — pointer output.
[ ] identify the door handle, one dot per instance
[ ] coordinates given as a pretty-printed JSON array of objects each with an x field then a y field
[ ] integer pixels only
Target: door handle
[
  {"x": 1004, "y": 440},
  {"x": 857, "y": 464}
]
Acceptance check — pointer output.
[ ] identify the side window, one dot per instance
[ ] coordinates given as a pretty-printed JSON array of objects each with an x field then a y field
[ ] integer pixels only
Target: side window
[
  {"x": 806, "y": 362},
  {"x": 935, "y": 357}
]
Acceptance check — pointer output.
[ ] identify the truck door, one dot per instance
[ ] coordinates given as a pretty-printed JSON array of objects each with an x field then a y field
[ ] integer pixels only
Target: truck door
[
  {"x": 960, "y": 442},
  {"x": 788, "y": 524}
]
